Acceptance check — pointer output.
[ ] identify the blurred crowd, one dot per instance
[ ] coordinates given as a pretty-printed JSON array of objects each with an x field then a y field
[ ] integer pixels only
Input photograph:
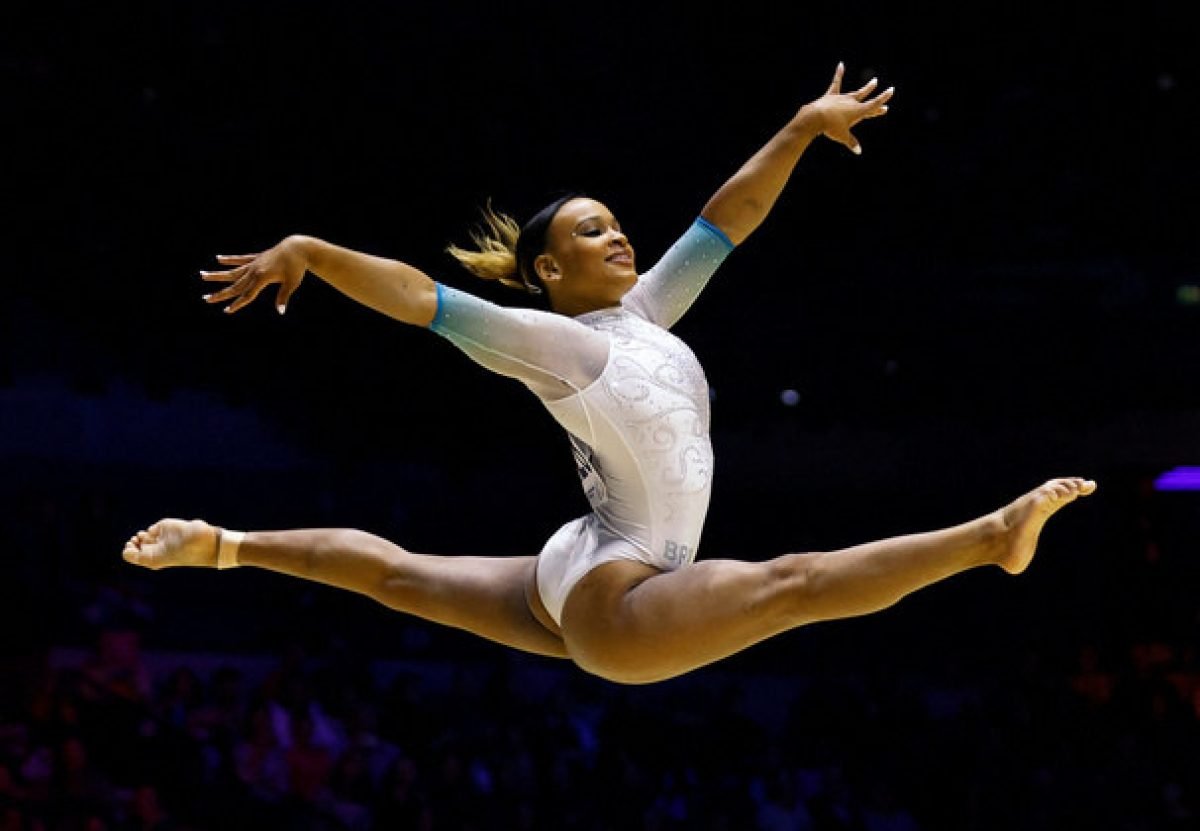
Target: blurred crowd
[{"x": 112, "y": 737}]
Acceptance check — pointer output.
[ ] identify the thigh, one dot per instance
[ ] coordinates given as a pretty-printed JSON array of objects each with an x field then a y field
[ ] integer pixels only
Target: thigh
[
  {"x": 632, "y": 623},
  {"x": 488, "y": 596}
]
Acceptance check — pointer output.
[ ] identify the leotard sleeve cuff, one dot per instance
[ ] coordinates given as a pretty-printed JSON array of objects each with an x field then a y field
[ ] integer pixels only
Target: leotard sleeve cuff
[
  {"x": 441, "y": 305},
  {"x": 715, "y": 231}
]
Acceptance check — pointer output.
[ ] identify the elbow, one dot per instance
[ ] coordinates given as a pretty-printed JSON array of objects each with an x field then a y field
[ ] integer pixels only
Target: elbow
[
  {"x": 423, "y": 302},
  {"x": 409, "y": 298},
  {"x": 734, "y": 225}
]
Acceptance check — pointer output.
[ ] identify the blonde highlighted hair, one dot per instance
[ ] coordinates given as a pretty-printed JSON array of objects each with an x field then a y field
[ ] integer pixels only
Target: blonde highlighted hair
[
  {"x": 506, "y": 251},
  {"x": 495, "y": 254}
]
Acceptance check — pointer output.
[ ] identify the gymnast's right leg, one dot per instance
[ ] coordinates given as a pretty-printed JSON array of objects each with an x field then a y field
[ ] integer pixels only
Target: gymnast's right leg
[{"x": 482, "y": 595}]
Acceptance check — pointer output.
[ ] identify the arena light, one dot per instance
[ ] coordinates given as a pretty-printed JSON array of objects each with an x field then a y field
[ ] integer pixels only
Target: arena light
[{"x": 1179, "y": 479}]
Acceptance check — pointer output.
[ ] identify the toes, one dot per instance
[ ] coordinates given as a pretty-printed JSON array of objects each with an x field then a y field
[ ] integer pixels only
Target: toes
[
  {"x": 1069, "y": 489},
  {"x": 1079, "y": 486},
  {"x": 1058, "y": 489}
]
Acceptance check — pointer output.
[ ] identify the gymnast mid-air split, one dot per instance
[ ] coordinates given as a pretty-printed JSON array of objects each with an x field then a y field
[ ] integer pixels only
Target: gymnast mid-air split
[{"x": 618, "y": 591}]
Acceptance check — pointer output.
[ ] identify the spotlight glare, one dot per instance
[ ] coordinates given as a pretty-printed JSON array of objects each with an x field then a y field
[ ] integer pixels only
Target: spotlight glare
[{"x": 1179, "y": 479}]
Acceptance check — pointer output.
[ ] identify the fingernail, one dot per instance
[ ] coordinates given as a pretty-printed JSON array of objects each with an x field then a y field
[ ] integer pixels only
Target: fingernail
[
  {"x": 857, "y": 150},
  {"x": 281, "y": 308},
  {"x": 207, "y": 296}
]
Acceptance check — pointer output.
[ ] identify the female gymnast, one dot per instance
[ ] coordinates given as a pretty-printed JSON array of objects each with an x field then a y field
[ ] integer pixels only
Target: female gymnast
[{"x": 617, "y": 591}]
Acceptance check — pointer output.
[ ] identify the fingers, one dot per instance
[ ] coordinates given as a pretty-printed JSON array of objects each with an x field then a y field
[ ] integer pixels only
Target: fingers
[
  {"x": 222, "y": 276},
  {"x": 883, "y": 97},
  {"x": 240, "y": 284},
  {"x": 866, "y": 89},
  {"x": 284, "y": 295},
  {"x": 247, "y": 296},
  {"x": 250, "y": 274},
  {"x": 244, "y": 288},
  {"x": 835, "y": 86},
  {"x": 866, "y": 108},
  {"x": 863, "y": 92},
  {"x": 878, "y": 105}
]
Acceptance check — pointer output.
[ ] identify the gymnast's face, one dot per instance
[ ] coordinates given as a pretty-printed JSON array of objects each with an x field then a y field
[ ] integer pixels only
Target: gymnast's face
[{"x": 588, "y": 263}]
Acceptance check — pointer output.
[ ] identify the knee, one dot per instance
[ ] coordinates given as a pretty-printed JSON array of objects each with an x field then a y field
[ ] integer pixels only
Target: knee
[
  {"x": 374, "y": 566},
  {"x": 789, "y": 586}
]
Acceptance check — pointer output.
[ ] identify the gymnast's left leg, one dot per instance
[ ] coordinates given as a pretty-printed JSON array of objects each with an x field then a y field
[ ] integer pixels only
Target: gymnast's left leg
[
  {"x": 487, "y": 596},
  {"x": 632, "y": 624}
]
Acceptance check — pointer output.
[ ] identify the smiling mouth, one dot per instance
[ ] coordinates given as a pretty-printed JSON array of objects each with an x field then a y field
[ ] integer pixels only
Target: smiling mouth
[{"x": 623, "y": 258}]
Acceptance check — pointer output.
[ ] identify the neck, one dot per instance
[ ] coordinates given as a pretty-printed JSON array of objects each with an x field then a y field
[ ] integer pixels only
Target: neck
[{"x": 575, "y": 307}]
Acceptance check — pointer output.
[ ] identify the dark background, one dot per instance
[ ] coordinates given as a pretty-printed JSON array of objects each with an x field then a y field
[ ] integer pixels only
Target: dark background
[{"x": 1002, "y": 288}]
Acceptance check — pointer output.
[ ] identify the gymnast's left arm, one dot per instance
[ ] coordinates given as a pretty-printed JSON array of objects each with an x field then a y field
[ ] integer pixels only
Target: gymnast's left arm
[{"x": 743, "y": 202}]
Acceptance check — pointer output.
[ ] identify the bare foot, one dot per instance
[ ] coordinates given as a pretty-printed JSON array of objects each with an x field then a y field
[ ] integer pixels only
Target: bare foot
[
  {"x": 1024, "y": 517},
  {"x": 173, "y": 542}
]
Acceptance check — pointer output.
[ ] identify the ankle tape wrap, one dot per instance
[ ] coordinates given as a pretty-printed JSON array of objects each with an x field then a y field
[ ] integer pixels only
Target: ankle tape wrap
[{"x": 227, "y": 547}]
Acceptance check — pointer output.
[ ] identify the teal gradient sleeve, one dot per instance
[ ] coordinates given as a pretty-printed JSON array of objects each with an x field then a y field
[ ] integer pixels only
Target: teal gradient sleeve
[
  {"x": 552, "y": 354},
  {"x": 668, "y": 290}
]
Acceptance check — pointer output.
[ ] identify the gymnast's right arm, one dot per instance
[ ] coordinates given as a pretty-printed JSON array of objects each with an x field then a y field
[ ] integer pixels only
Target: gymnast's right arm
[
  {"x": 551, "y": 354},
  {"x": 391, "y": 287}
]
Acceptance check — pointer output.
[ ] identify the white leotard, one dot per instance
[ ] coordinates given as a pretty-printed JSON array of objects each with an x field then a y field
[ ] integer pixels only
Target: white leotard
[{"x": 633, "y": 399}]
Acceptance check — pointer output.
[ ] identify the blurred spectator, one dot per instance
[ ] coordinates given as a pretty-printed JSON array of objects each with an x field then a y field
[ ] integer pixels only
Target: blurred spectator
[
  {"x": 309, "y": 764},
  {"x": 780, "y": 807},
  {"x": 1091, "y": 681},
  {"x": 402, "y": 804},
  {"x": 146, "y": 813},
  {"x": 260, "y": 760}
]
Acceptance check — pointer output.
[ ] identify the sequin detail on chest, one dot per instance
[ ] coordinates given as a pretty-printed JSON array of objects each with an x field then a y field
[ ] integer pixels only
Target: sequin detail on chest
[{"x": 659, "y": 395}]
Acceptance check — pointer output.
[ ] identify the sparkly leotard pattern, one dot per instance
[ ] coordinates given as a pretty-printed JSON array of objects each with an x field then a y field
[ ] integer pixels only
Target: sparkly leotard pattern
[{"x": 633, "y": 399}]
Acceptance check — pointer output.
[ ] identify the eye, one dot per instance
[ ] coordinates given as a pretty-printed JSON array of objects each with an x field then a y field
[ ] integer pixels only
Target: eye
[{"x": 596, "y": 228}]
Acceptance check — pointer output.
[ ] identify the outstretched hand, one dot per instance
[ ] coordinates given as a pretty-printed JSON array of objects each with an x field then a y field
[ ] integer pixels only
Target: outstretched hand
[
  {"x": 249, "y": 274},
  {"x": 837, "y": 112}
]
